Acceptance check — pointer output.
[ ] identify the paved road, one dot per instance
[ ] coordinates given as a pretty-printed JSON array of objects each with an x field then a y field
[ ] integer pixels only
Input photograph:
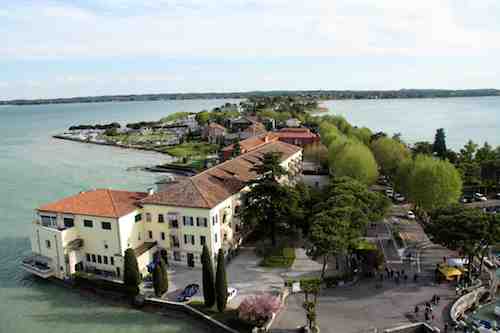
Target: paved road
[{"x": 363, "y": 307}]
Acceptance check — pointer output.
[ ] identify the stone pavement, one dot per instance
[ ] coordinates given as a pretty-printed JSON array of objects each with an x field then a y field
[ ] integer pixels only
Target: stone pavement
[{"x": 363, "y": 307}]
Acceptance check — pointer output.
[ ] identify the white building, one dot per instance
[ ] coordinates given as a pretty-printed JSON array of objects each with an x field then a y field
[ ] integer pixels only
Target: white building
[{"x": 91, "y": 231}]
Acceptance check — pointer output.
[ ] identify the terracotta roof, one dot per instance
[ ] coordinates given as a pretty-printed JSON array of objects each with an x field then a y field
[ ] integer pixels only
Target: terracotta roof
[
  {"x": 298, "y": 133},
  {"x": 100, "y": 202},
  {"x": 256, "y": 128},
  {"x": 209, "y": 188},
  {"x": 253, "y": 142}
]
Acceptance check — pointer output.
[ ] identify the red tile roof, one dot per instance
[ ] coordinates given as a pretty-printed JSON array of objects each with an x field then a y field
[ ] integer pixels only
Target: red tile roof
[
  {"x": 253, "y": 142},
  {"x": 211, "y": 187},
  {"x": 100, "y": 202},
  {"x": 296, "y": 133}
]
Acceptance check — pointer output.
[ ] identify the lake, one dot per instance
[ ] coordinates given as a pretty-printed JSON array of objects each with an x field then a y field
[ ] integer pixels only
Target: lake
[
  {"x": 37, "y": 169},
  {"x": 476, "y": 118}
]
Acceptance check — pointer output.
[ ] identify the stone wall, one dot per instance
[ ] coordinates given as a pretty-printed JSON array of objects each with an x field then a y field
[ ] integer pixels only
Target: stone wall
[{"x": 465, "y": 302}]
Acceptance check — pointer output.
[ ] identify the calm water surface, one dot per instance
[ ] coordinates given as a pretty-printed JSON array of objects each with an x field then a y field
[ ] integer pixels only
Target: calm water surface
[
  {"x": 417, "y": 119},
  {"x": 36, "y": 169}
]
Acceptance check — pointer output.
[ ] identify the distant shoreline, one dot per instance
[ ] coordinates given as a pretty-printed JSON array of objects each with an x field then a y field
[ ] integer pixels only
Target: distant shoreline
[{"x": 319, "y": 94}]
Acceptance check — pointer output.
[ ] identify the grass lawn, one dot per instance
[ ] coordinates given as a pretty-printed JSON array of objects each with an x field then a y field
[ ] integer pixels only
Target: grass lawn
[
  {"x": 192, "y": 149},
  {"x": 279, "y": 258},
  {"x": 229, "y": 317}
]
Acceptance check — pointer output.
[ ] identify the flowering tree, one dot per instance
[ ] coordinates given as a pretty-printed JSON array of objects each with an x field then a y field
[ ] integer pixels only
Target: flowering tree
[{"x": 258, "y": 309}]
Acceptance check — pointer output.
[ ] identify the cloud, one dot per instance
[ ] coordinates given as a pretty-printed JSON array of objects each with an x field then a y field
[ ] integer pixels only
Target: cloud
[{"x": 243, "y": 28}]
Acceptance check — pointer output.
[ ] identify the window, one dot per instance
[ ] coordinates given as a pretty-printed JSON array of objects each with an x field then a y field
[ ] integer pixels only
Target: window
[
  {"x": 88, "y": 223},
  {"x": 203, "y": 240},
  {"x": 205, "y": 222},
  {"x": 88, "y": 256},
  {"x": 191, "y": 220},
  {"x": 148, "y": 217},
  {"x": 192, "y": 239},
  {"x": 237, "y": 209},
  {"x": 105, "y": 260},
  {"x": 93, "y": 258},
  {"x": 48, "y": 221},
  {"x": 106, "y": 225},
  {"x": 184, "y": 220},
  {"x": 160, "y": 218},
  {"x": 197, "y": 221},
  {"x": 138, "y": 218},
  {"x": 150, "y": 233},
  {"x": 99, "y": 259},
  {"x": 177, "y": 256},
  {"x": 139, "y": 236},
  {"x": 69, "y": 222},
  {"x": 216, "y": 238},
  {"x": 112, "y": 261},
  {"x": 47, "y": 242},
  {"x": 185, "y": 239},
  {"x": 162, "y": 236},
  {"x": 225, "y": 237}
]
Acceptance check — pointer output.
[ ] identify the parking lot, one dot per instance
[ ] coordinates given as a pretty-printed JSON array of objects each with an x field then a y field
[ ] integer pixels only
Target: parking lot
[{"x": 243, "y": 273}]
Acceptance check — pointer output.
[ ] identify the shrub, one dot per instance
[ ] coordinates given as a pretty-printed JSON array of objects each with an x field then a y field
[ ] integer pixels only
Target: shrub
[
  {"x": 258, "y": 309},
  {"x": 282, "y": 257}
]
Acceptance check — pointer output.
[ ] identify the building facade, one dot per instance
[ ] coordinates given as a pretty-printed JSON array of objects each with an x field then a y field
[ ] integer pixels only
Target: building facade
[{"x": 91, "y": 231}]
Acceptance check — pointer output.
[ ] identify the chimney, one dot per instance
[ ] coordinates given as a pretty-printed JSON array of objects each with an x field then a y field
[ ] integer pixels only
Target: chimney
[{"x": 151, "y": 191}]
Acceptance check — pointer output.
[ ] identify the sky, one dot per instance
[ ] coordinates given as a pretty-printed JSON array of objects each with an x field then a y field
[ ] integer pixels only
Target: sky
[{"x": 99, "y": 47}]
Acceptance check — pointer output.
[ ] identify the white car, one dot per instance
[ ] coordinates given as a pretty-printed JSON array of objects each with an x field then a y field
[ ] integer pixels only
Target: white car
[
  {"x": 399, "y": 198},
  {"x": 389, "y": 192},
  {"x": 410, "y": 215},
  {"x": 480, "y": 197},
  {"x": 231, "y": 293}
]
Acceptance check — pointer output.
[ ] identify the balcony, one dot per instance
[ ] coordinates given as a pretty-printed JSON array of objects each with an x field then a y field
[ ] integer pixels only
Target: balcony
[{"x": 38, "y": 265}]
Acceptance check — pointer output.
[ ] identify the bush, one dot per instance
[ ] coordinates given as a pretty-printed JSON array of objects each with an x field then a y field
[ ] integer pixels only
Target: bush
[
  {"x": 282, "y": 257},
  {"x": 258, "y": 309}
]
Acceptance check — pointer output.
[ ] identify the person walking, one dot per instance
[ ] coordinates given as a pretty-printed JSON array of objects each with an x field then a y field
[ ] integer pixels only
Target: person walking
[{"x": 416, "y": 310}]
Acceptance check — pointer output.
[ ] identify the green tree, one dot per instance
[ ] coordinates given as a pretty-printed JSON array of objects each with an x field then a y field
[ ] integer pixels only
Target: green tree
[
  {"x": 203, "y": 117},
  {"x": 421, "y": 148},
  {"x": 221, "y": 282},
  {"x": 332, "y": 232},
  {"x": 467, "y": 230},
  {"x": 208, "y": 278},
  {"x": 363, "y": 134},
  {"x": 131, "y": 276},
  {"x": 158, "y": 280},
  {"x": 439, "y": 147},
  {"x": 434, "y": 183},
  {"x": 354, "y": 160},
  {"x": 485, "y": 153},
  {"x": 237, "y": 149},
  {"x": 389, "y": 154},
  {"x": 268, "y": 203},
  {"x": 403, "y": 176},
  {"x": 468, "y": 152}
]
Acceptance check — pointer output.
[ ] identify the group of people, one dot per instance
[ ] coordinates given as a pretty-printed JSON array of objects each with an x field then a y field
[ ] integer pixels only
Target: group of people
[
  {"x": 428, "y": 312},
  {"x": 397, "y": 276}
]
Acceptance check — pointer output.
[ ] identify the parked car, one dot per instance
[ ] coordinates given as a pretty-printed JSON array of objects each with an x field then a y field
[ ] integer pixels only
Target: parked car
[
  {"x": 188, "y": 292},
  {"x": 399, "y": 197},
  {"x": 466, "y": 200},
  {"x": 497, "y": 196},
  {"x": 480, "y": 197},
  {"x": 389, "y": 192},
  {"x": 231, "y": 293},
  {"x": 410, "y": 215}
]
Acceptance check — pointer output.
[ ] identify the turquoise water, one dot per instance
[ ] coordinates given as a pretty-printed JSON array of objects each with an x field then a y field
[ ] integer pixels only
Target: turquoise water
[
  {"x": 417, "y": 119},
  {"x": 36, "y": 169}
]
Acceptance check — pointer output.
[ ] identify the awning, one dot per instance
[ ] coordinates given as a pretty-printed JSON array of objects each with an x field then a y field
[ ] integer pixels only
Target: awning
[{"x": 450, "y": 273}]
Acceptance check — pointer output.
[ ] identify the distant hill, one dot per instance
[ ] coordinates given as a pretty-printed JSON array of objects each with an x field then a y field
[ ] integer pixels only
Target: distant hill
[{"x": 319, "y": 94}]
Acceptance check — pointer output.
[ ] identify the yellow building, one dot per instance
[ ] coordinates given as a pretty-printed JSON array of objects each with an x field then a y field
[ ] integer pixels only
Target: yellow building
[{"x": 91, "y": 230}]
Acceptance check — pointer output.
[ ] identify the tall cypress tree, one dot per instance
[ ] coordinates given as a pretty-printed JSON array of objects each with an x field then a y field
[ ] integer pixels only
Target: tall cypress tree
[
  {"x": 164, "y": 275},
  {"x": 131, "y": 276},
  {"x": 158, "y": 280},
  {"x": 208, "y": 278},
  {"x": 439, "y": 147},
  {"x": 221, "y": 282}
]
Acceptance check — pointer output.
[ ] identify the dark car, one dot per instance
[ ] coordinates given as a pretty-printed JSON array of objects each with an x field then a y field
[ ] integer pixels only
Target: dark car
[{"x": 188, "y": 292}]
